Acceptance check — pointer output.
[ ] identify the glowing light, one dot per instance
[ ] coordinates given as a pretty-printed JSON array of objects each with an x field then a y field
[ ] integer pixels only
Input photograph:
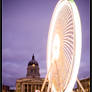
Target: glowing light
[
  {"x": 78, "y": 47},
  {"x": 37, "y": 90},
  {"x": 33, "y": 65},
  {"x": 56, "y": 44},
  {"x": 53, "y": 88},
  {"x": 56, "y": 47}
]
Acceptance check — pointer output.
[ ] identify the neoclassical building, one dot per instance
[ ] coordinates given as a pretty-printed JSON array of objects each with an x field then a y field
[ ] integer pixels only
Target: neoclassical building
[{"x": 32, "y": 81}]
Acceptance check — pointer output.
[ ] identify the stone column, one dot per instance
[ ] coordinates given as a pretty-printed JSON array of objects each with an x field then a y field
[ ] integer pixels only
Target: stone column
[
  {"x": 22, "y": 88},
  {"x": 38, "y": 87},
  {"x": 31, "y": 87},
  {"x": 35, "y": 87},
  {"x": 27, "y": 88}
]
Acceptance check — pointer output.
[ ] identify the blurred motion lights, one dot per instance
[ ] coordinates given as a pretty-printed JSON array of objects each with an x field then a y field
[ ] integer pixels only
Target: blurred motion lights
[{"x": 64, "y": 47}]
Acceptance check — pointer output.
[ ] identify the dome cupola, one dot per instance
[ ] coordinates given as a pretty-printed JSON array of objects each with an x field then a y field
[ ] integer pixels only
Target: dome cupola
[
  {"x": 33, "y": 61},
  {"x": 33, "y": 68}
]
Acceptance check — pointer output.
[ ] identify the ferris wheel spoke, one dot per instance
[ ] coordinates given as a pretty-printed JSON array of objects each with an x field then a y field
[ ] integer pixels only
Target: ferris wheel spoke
[
  {"x": 70, "y": 32},
  {"x": 69, "y": 39},
  {"x": 67, "y": 57},
  {"x": 70, "y": 51},
  {"x": 62, "y": 51},
  {"x": 67, "y": 13},
  {"x": 68, "y": 36},
  {"x": 67, "y": 43},
  {"x": 69, "y": 25},
  {"x": 68, "y": 29},
  {"x": 69, "y": 21}
]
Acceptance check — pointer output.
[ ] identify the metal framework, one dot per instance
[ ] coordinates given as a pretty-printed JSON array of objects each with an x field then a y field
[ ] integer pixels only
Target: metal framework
[
  {"x": 63, "y": 48},
  {"x": 48, "y": 90}
]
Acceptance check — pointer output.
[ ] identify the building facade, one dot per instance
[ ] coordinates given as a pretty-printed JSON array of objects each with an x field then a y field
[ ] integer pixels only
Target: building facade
[{"x": 32, "y": 81}]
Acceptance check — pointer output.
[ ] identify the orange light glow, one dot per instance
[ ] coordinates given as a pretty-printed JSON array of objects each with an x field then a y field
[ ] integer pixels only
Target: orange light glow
[{"x": 64, "y": 46}]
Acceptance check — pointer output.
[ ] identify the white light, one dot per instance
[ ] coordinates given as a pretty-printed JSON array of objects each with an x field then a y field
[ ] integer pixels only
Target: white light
[
  {"x": 37, "y": 90},
  {"x": 78, "y": 38},
  {"x": 56, "y": 47},
  {"x": 54, "y": 17},
  {"x": 53, "y": 88}
]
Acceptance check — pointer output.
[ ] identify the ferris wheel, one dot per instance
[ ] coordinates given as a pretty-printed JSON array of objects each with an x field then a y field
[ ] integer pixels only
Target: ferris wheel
[{"x": 64, "y": 47}]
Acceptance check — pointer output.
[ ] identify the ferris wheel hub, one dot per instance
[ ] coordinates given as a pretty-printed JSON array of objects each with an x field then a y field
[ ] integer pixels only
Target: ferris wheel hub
[{"x": 56, "y": 47}]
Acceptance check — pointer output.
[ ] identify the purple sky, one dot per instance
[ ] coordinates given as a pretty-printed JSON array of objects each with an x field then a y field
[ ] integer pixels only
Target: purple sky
[{"x": 25, "y": 25}]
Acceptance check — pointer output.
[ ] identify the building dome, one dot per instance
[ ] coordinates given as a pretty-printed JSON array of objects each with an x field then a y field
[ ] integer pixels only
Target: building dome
[
  {"x": 33, "y": 61},
  {"x": 33, "y": 68}
]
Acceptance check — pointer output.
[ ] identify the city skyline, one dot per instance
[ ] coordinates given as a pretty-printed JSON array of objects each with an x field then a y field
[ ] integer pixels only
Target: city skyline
[{"x": 25, "y": 26}]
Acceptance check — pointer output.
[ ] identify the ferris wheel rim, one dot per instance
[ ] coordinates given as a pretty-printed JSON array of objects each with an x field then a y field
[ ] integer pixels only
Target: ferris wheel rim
[{"x": 73, "y": 5}]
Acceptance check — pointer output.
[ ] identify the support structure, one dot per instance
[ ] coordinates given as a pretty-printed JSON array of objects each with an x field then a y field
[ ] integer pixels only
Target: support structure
[
  {"x": 49, "y": 85},
  {"x": 80, "y": 85}
]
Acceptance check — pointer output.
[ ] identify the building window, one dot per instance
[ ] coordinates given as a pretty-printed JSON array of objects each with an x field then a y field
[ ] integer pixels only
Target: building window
[
  {"x": 33, "y": 89},
  {"x": 31, "y": 71},
  {"x": 29, "y": 88},
  {"x": 25, "y": 88},
  {"x": 37, "y": 87}
]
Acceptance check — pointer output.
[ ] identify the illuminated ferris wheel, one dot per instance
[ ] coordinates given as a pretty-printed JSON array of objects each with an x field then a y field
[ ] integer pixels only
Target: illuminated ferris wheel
[{"x": 63, "y": 47}]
